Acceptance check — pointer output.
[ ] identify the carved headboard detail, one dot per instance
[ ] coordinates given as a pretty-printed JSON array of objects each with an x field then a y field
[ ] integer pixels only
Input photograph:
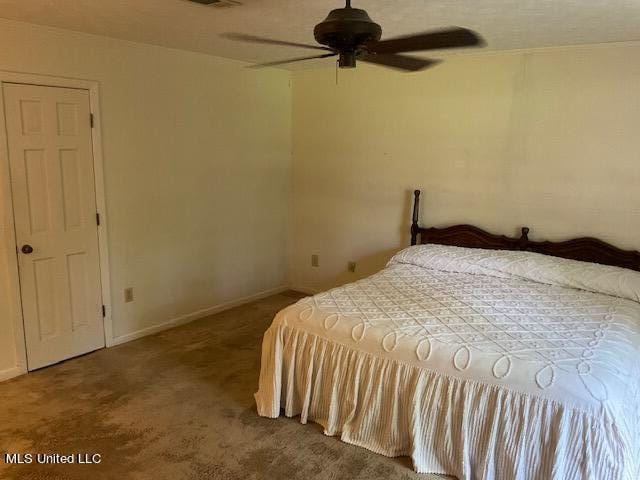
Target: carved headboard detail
[{"x": 585, "y": 249}]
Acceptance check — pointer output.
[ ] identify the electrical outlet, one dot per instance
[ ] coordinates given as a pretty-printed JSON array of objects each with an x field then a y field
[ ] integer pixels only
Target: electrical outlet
[
  {"x": 315, "y": 260},
  {"x": 128, "y": 295},
  {"x": 351, "y": 266}
]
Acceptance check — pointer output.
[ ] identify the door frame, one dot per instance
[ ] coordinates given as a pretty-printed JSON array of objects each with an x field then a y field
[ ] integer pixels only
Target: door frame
[{"x": 15, "y": 303}]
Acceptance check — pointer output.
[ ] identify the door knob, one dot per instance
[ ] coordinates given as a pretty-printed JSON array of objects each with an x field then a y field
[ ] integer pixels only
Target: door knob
[{"x": 27, "y": 249}]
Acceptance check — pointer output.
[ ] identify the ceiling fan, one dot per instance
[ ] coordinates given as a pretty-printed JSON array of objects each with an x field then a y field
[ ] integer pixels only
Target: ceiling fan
[{"x": 351, "y": 35}]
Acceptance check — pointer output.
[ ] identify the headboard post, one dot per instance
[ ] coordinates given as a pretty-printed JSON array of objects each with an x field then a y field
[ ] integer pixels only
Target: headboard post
[
  {"x": 523, "y": 243},
  {"x": 414, "y": 223}
]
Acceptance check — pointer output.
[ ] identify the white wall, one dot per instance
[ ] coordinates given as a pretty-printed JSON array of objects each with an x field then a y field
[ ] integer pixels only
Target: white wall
[
  {"x": 198, "y": 161},
  {"x": 197, "y": 154},
  {"x": 549, "y": 139}
]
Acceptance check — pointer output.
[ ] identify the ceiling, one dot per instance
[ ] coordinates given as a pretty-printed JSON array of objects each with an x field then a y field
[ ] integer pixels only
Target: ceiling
[{"x": 505, "y": 24}]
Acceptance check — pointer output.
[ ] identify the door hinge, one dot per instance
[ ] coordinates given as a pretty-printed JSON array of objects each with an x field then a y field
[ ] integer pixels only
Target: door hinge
[
  {"x": 97, "y": 219},
  {"x": 91, "y": 119},
  {"x": 104, "y": 311}
]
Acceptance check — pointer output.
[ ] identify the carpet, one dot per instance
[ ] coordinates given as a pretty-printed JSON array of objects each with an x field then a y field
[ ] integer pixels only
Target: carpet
[{"x": 174, "y": 405}]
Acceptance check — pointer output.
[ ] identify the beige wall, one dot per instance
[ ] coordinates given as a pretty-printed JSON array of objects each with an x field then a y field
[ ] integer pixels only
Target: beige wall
[
  {"x": 198, "y": 169},
  {"x": 548, "y": 139},
  {"x": 197, "y": 154}
]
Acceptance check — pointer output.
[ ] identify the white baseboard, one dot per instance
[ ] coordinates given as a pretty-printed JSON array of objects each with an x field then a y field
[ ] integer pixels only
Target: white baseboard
[
  {"x": 306, "y": 290},
  {"x": 10, "y": 373},
  {"x": 189, "y": 317}
]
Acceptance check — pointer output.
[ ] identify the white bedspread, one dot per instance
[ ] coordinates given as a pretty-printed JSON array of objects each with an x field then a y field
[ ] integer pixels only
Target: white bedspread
[{"x": 476, "y": 363}]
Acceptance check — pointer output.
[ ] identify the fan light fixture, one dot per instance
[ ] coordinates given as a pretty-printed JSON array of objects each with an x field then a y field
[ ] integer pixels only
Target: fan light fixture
[{"x": 351, "y": 35}]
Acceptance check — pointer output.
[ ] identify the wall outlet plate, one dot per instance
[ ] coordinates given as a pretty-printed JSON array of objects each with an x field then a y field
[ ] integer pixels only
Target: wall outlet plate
[
  {"x": 315, "y": 260},
  {"x": 351, "y": 266},
  {"x": 128, "y": 295}
]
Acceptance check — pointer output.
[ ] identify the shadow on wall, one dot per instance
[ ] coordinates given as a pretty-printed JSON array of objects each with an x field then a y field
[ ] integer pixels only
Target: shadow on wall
[
  {"x": 366, "y": 266},
  {"x": 373, "y": 263}
]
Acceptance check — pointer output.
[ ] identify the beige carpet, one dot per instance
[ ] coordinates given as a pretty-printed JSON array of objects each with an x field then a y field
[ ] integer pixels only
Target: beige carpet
[{"x": 176, "y": 405}]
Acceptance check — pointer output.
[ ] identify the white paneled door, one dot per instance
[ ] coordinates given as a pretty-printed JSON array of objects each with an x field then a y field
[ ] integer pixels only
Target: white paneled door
[{"x": 52, "y": 181}]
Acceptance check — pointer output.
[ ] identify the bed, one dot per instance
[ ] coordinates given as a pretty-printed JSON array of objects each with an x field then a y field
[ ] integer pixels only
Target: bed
[{"x": 479, "y": 356}]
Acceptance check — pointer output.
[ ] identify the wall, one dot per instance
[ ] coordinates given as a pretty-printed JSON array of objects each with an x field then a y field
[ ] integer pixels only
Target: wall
[
  {"x": 547, "y": 139},
  {"x": 197, "y": 154},
  {"x": 198, "y": 162}
]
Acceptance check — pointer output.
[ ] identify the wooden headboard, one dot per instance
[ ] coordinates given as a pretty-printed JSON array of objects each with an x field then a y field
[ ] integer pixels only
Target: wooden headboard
[{"x": 585, "y": 249}]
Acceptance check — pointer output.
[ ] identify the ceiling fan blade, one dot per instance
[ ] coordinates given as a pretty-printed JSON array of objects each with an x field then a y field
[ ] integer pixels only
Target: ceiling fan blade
[
  {"x": 291, "y": 60},
  {"x": 241, "y": 37},
  {"x": 400, "y": 62},
  {"x": 455, "y": 37}
]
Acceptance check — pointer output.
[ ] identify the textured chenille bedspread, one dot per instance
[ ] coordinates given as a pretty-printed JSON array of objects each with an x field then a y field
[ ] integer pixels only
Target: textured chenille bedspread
[{"x": 475, "y": 363}]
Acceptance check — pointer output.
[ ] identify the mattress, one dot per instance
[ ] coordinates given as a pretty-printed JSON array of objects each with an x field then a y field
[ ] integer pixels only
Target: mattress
[{"x": 478, "y": 364}]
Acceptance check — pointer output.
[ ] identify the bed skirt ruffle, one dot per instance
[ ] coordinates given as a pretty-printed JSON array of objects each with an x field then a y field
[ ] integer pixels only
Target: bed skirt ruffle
[{"x": 466, "y": 429}]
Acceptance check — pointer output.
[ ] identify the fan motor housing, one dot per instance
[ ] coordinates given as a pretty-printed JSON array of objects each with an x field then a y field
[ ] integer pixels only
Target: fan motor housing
[{"x": 346, "y": 29}]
